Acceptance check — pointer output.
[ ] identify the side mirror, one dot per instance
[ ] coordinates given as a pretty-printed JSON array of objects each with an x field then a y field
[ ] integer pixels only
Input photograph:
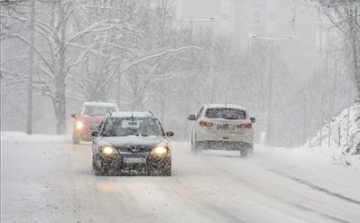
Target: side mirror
[
  {"x": 95, "y": 134},
  {"x": 253, "y": 120},
  {"x": 169, "y": 134},
  {"x": 73, "y": 115},
  {"x": 192, "y": 117}
]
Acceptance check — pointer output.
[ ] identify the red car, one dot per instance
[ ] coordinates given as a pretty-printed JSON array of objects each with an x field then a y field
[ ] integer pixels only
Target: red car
[{"x": 89, "y": 118}]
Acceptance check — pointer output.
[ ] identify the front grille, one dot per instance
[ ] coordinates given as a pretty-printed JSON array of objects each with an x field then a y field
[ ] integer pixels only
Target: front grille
[{"x": 133, "y": 149}]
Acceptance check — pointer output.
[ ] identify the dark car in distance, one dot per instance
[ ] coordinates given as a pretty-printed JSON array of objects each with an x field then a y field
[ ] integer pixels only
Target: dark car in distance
[{"x": 129, "y": 143}]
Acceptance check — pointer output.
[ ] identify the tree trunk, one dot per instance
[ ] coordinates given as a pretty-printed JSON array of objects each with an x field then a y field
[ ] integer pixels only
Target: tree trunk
[
  {"x": 31, "y": 71},
  {"x": 60, "y": 86},
  {"x": 355, "y": 64},
  {"x": 59, "y": 103}
]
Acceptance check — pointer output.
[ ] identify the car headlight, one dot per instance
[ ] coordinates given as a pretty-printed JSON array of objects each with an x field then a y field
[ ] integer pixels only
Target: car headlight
[
  {"x": 79, "y": 125},
  {"x": 108, "y": 150},
  {"x": 159, "y": 151}
]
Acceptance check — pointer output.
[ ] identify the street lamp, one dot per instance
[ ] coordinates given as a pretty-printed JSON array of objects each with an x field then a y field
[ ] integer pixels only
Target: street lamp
[
  {"x": 269, "y": 116},
  {"x": 191, "y": 21},
  {"x": 204, "y": 20},
  {"x": 197, "y": 20},
  {"x": 255, "y": 36}
]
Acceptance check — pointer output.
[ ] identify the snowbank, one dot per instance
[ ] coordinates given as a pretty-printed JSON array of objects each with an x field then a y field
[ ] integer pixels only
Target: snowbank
[
  {"x": 341, "y": 145},
  {"x": 21, "y": 136}
]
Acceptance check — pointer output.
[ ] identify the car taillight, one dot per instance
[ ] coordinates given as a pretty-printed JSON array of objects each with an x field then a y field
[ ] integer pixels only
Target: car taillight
[
  {"x": 245, "y": 126},
  {"x": 206, "y": 124}
]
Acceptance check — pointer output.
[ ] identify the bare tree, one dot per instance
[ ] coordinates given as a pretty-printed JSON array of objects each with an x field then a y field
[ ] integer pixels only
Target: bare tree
[
  {"x": 345, "y": 16},
  {"x": 63, "y": 52},
  {"x": 104, "y": 46}
]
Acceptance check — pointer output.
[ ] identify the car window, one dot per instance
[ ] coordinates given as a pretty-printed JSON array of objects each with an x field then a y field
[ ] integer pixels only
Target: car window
[
  {"x": 132, "y": 126},
  {"x": 97, "y": 110},
  {"x": 225, "y": 113}
]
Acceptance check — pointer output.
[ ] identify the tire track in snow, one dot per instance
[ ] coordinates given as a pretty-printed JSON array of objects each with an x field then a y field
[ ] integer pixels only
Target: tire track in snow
[
  {"x": 259, "y": 190},
  {"x": 228, "y": 216},
  {"x": 318, "y": 188}
]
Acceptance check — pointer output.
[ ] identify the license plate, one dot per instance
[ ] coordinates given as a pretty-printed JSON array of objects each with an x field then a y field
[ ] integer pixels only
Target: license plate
[
  {"x": 223, "y": 127},
  {"x": 130, "y": 160}
]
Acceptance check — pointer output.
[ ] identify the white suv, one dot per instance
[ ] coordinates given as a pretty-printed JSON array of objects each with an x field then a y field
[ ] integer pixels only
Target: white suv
[{"x": 222, "y": 127}]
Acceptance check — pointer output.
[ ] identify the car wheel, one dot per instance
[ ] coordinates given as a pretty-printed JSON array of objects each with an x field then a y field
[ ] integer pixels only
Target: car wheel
[
  {"x": 192, "y": 147},
  {"x": 247, "y": 151},
  {"x": 195, "y": 148},
  {"x": 76, "y": 140}
]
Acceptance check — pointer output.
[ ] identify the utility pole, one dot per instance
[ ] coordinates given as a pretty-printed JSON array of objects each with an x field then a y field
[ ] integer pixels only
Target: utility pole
[
  {"x": 204, "y": 20},
  {"x": 212, "y": 72},
  {"x": 271, "y": 75},
  {"x": 118, "y": 90},
  {"x": 305, "y": 120},
  {"x": 347, "y": 134},
  {"x": 29, "y": 121}
]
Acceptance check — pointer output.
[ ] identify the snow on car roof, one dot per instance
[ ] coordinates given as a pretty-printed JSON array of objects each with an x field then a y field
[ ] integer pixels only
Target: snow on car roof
[
  {"x": 224, "y": 106},
  {"x": 100, "y": 104},
  {"x": 124, "y": 114}
]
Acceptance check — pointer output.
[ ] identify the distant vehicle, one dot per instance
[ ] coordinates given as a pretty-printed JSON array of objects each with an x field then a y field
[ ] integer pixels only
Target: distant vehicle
[
  {"x": 222, "y": 127},
  {"x": 131, "y": 143},
  {"x": 89, "y": 118}
]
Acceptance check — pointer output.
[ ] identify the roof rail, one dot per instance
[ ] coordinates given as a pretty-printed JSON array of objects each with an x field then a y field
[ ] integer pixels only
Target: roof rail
[{"x": 151, "y": 113}]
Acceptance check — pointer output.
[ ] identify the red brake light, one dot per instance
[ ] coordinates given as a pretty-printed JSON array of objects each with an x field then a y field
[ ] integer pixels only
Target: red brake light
[
  {"x": 245, "y": 126},
  {"x": 206, "y": 124}
]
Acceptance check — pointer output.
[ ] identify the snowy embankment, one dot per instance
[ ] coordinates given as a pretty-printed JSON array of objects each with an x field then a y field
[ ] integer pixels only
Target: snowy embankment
[{"x": 341, "y": 143}]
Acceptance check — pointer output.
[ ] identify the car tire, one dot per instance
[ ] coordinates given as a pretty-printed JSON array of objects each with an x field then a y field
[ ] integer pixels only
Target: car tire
[
  {"x": 247, "y": 151},
  {"x": 195, "y": 149},
  {"x": 192, "y": 147},
  {"x": 76, "y": 140}
]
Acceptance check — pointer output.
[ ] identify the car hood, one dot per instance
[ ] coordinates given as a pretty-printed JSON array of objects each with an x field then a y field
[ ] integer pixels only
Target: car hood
[{"x": 133, "y": 141}]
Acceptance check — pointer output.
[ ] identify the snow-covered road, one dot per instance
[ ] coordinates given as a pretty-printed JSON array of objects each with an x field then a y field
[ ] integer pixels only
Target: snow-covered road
[{"x": 47, "y": 179}]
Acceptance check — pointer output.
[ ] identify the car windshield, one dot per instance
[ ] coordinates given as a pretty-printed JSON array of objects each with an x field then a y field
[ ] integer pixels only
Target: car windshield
[
  {"x": 225, "y": 113},
  {"x": 132, "y": 126},
  {"x": 98, "y": 110}
]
